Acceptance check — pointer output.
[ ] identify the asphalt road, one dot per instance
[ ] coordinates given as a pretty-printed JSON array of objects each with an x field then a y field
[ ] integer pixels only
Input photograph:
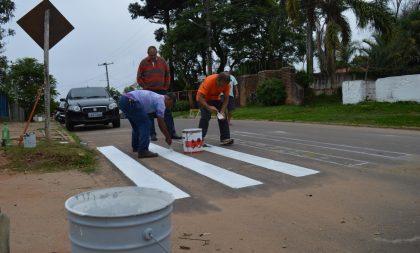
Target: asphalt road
[{"x": 365, "y": 198}]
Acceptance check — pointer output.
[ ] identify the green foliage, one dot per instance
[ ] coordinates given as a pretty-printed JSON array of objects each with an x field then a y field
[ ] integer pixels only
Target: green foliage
[
  {"x": 398, "y": 54},
  {"x": 7, "y": 7},
  {"x": 24, "y": 78},
  {"x": 114, "y": 92},
  {"x": 271, "y": 92},
  {"x": 304, "y": 79},
  {"x": 182, "y": 105}
]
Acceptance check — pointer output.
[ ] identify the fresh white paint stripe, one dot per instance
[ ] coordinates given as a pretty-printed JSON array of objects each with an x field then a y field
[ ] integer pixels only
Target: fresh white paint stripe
[
  {"x": 139, "y": 174},
  {"x": 216, "y": 173},
  {"x": 286, "y": 168}
]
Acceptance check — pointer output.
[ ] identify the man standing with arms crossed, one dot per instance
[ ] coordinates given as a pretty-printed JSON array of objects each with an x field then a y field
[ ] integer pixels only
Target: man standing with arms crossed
[
  {"x": 153, "y": 74},
  {"x": 209, "y": 100}
]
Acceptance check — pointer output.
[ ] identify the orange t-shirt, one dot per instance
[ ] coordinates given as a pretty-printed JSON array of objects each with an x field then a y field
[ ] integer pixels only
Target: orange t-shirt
[{"x": 210, "y": 90}]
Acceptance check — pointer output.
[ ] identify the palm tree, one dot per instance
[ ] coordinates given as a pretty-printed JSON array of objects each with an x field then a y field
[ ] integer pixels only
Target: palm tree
[
  {"x": 292, "y": 9},
  {"x": 338, "y": 31}
]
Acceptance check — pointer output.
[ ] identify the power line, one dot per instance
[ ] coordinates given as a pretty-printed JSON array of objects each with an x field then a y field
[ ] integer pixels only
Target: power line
[{"x": 106, "y": 68}]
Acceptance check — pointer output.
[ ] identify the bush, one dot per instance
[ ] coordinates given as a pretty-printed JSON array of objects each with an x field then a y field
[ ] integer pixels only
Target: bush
[
  {"x": 271, "y": 92},
  {"x": 182, "y": 105}
]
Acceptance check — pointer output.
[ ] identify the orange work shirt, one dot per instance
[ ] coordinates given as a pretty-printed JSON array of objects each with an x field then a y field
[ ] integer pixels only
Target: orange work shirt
[{"x": 210, "y": 90}]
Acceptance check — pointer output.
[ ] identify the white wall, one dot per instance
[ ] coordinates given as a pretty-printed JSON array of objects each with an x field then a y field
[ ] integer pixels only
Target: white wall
[
  {"x": 357, "y": 91},
  {"x": 390, "y": 89},
  {"x": 353, "y": 92},
  {"x": 398, "y": 88}
]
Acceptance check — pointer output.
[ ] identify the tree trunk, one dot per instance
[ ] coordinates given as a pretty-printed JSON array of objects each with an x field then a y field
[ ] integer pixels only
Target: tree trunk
[
  {"x": 171, "y": 56},
  {"x": 309, "y": 48}
]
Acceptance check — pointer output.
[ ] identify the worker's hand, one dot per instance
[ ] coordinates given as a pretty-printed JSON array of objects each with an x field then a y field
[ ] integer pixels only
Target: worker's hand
[
  {"x": 212, "y": 109},
  {"x": 168, "y": 140}
]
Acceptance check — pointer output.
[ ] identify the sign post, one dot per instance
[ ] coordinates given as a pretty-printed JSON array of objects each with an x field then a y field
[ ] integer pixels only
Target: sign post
[
  {"x": 46, "y": 26},
  {"x": 47, "y": 96}
]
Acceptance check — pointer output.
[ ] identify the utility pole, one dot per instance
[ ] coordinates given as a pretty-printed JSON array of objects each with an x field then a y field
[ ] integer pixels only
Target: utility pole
[
  {"x": 209, "y": 49},
  {"x": 106, "y": 69}
]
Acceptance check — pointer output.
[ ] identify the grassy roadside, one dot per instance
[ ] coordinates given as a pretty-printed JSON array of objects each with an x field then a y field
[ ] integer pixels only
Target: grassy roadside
[
  {"x": 330, "y": 110},
  {"x": 49, "y": 156}
]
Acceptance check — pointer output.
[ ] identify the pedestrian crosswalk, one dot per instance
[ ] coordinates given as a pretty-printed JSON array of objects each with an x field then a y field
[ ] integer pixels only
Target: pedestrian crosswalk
[
  {"x": 138, "y": 174},
  {"x": 142, "y": 176}
]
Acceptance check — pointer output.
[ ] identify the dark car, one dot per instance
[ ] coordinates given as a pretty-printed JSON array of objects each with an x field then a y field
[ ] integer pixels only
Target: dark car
[
  {"x": 60, "y": 114},
  {"x": 90, "y": 105}
]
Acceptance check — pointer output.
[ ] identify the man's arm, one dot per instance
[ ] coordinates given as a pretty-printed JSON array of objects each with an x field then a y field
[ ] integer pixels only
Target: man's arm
[
  {"x": 164, "y": 130},
  {"x": 204, "y": 104},
  {"x": 140, "y": 74},
  {"x": 167, "y": 75}
]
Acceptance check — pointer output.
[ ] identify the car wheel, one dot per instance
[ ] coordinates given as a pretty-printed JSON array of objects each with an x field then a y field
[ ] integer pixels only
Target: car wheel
[
  {"x": 69, "y": 124},
  {"x": 116, "y": 123}
]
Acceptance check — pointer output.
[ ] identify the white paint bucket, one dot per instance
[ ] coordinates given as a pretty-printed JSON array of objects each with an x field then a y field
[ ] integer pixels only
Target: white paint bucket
[
  {"x": 192, "y": 140},
  {"x": 29, "y": 140}
]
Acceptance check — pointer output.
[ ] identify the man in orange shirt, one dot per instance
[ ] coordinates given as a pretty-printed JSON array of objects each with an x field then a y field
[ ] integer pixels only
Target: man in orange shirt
[{"x": 209, "y": 101}]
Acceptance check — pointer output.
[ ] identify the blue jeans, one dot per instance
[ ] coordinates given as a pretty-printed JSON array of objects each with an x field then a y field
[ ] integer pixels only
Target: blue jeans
[
  {"x": 206, "y": 116},
  {"x": 139, "y": 121},
  {"x": 169, "y": 120}
]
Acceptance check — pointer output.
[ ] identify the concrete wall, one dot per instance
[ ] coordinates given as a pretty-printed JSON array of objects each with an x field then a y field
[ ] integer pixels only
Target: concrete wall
[
  {"x": 390, "y": 89},
  {"x": 357, "y": 91},
  {"x": 248, "y": 85},
  {"x": 398, "y": 88}
]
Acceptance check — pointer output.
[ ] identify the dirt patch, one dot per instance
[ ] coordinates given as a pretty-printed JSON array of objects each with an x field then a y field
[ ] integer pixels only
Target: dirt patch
[{"x": 35, "y": 204}]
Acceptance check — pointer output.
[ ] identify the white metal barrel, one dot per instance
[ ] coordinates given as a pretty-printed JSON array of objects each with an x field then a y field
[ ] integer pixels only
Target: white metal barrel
[{"x": 120, "y": 219}]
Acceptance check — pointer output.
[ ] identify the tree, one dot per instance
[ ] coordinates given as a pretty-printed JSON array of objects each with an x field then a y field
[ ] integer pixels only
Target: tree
[
  {"x": 7, "y": 7},
  {"x": 398, "y": 54},
  {"x": 24, "y": 78},
  {"x": 292, "y": 9},
  {"x": 160, "y": 12},
  {"x": 338, "y": 31}
]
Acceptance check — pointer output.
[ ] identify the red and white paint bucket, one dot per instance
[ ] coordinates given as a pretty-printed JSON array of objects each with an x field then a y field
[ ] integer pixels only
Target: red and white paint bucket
[{"x": 192, "y": 140}]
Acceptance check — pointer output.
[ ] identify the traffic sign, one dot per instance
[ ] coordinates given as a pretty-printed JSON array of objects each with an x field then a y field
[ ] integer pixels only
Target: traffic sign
[{"x": 33, "y": 24}]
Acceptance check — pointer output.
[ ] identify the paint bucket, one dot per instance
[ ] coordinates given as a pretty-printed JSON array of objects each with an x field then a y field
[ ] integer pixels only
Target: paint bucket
[
  {"x": 120, "y": 219},
  {"x": 29, "y": 140},
  {"x": 192, "y": 140}
]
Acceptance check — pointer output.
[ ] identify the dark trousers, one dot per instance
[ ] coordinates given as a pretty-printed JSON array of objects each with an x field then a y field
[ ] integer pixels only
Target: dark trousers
[
  {"x": 206, "y": 116},
  {"x": 169, "y": 120},
  {"x": 139, "y": 121}
]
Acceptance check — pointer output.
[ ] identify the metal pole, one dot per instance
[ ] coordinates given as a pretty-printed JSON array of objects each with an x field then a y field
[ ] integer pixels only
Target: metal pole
[
  {"x": 209, "y": 49},
  {"x": 46, "y": 73},
  {"x": 106, "y": 69}
]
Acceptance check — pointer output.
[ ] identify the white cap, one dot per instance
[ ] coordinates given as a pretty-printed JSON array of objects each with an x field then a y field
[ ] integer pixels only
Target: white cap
[{"x": 227, "y": 69}]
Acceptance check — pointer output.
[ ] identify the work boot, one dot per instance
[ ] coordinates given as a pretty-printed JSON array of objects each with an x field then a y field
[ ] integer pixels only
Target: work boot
[
  {"x": 153, "y": 137},
  {"x": 146, "y": 154},
  {"x": 226, "y": 142},
  {"x": 176, "y": 137}
]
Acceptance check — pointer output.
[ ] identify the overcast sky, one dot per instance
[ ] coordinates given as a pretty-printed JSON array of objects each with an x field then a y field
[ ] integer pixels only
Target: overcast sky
[{"x": 103, "y": 32}]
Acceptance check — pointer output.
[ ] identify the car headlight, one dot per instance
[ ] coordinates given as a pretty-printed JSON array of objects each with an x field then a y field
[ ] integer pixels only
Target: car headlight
[
  {"x": 112, "y": 106},
  {"x": 74, "y": 108}
]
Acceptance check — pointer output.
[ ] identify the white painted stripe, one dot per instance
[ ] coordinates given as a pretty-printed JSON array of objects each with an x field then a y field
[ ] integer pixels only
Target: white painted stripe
[
  {"x": 216, "y": 173},
  {"x": 282, "y": 167},
  {"x": 139, "y": 174}
]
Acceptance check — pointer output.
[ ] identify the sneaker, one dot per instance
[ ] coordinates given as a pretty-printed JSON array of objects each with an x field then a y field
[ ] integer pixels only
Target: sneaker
[
  {"x": 176, "y": 137},
  {"x": 205, "y": 145},
  {"x": 146, "y": 154},
  {"x": 153, "y": 138},
  {"x": 227, "y": 142}
]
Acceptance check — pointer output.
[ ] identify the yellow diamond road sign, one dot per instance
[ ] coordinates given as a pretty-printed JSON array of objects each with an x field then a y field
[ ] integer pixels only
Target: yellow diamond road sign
[{"x": 33, "y": 24}]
